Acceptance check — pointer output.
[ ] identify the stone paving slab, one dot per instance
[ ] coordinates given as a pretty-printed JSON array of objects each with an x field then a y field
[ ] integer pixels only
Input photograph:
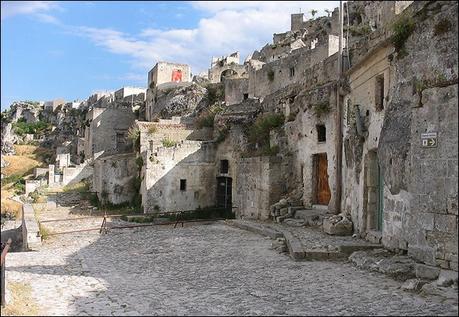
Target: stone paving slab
[{"x": 201, "y": 270}]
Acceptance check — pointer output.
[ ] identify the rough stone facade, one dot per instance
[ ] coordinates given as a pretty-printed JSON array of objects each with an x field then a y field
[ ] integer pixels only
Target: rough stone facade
[{"x": 113, "y": 178}]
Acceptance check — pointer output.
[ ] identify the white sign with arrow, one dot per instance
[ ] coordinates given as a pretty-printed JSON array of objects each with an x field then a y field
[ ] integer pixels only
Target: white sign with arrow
[{"x": 429, "y": 139}]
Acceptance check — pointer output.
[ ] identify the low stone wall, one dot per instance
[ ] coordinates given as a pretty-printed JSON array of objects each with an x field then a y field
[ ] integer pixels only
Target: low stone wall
[{"x": 30, "y": 230}]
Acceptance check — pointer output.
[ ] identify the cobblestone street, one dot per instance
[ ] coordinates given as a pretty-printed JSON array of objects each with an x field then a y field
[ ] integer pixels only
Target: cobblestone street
[{"x": 201, "y": 269}]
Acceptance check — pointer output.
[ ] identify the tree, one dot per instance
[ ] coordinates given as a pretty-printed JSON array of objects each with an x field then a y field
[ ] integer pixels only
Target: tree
[
  {"x": 328, "y": 12},
  {"x": 313, "y": 12}
]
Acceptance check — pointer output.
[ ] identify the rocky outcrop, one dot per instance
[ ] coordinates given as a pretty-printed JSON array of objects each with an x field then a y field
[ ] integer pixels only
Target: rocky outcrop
[{"x": 182, "y": 101}]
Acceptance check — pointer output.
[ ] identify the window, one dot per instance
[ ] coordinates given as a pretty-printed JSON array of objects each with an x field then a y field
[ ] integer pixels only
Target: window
[
  {"x": 246, "y": 96},
  {"x": 379, "y": 92},
  {"x": 183, "y": 184},
  {"x": 224, "y": 165},
  {"x": 292, "y": 72},
  {"x": 321, "y": 133},
  {"x": 120, "y": 140}
]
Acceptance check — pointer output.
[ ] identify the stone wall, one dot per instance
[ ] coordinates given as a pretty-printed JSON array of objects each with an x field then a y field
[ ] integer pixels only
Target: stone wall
[
  {"x": 236, "y": 90},
  {"x": 104, "y": 125},
  {"x": 162, "y": 73},
  {"x": 258, "y": 186},
  {"x": 421, "y": 213},
  {"x": 113, "y": 178}
]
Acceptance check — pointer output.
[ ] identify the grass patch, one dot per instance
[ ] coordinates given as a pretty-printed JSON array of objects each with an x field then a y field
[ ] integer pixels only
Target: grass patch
[
  {"x": 152, "y": 129},
  {"x": 44, "y": 232},
  {"x": 22, "y": 303}
]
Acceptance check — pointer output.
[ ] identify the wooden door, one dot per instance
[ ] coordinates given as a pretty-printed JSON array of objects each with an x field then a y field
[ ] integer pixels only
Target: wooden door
[{"x": 323, "y": 190}]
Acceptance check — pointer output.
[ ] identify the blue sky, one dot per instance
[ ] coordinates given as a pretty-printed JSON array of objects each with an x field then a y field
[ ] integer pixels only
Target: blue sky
[{"x": 70, "y": 49}]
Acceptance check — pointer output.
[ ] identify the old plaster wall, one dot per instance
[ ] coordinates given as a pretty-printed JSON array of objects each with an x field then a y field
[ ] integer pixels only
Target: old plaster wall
[
  {"x": 363, "y": 83},
  {"x": 113, "y": 178},
  {"x": 165, "y": 167}
]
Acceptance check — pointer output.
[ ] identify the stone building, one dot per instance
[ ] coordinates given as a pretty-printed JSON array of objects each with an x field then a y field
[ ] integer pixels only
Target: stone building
[
  {"x": 178, "y": 166},
  {"x": 397, "y": 179},
  {"x": 226, "y": 67},
  {"x": 164, "y": 76},
  {"x": 53, "y": 104}
]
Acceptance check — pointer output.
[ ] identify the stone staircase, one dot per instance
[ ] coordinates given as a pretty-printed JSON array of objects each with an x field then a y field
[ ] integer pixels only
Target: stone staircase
[{"x": 300, "y": 216}]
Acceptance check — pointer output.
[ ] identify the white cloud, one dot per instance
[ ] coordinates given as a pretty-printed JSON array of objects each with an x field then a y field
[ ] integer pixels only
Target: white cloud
[
  {"x": 34, "y": 8},
  {"x": 227, "y": 27}
]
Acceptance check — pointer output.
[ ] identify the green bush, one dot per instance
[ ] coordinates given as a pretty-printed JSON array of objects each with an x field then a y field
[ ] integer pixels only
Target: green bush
[
  {"x": 402, "y": 30},
  {"x": 215, "y": 93},
  {"x": 168, "y": 142},
  {"x": 21, "y": 127},
  {"x": 321, "y": 108},
  {"x": 259, "y": 132},
  {"x": 134, "y": 136},
  {"x": 206, "y": 118}
]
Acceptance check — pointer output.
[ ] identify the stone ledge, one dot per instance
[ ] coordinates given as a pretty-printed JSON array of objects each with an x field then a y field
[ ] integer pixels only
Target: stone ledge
[
  {"x": 294, "y": 246},
  {"x": 255, "y": 228}
]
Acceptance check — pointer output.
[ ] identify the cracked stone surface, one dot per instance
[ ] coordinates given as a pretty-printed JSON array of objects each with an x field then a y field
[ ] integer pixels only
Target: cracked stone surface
[{"x": 201, "y": 270}]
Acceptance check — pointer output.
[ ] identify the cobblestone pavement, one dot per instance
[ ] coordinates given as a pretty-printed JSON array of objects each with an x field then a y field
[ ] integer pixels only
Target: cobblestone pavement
[{"x": 201, "y": 270}]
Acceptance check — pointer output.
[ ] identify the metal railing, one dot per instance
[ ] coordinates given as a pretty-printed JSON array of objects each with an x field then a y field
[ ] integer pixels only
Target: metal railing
[{"x": 3, "y": 260}]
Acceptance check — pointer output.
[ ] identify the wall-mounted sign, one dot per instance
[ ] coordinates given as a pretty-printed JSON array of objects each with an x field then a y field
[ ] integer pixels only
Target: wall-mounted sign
[{"x": 429, "y": 139}]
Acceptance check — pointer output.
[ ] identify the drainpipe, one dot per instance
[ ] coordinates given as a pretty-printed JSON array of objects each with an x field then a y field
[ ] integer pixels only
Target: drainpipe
[{"x": 339, "y": 134}]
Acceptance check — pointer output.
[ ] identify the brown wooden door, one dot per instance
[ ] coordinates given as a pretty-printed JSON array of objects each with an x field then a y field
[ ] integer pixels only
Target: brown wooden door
[{"x": 323, "y": 190}]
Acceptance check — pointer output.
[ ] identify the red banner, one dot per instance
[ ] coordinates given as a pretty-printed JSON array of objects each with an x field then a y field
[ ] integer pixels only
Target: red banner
[{"x": 177, "y": 75}]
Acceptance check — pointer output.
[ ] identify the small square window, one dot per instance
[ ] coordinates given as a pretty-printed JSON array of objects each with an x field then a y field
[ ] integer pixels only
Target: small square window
[
  {"x": 224, "y": 166},
  {"x": 321, "y": 133},
  {"x": 183, "y": 184}
]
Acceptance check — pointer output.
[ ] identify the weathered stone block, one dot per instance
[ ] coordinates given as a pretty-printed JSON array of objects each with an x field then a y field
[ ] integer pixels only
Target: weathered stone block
[
  {"x": 453, "y": 265},
  {"x": 339, "y": 228},
  {"x": 442, "y": 263},
  {"x": 426, "y": 271},
  {"x": 374, "y": 236},
  {"x": 447, "y": 278},
  {"x": 446, "y": 223},
  {"x": 413, "y": 285},
  {"x": 424, "y": 254}
]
